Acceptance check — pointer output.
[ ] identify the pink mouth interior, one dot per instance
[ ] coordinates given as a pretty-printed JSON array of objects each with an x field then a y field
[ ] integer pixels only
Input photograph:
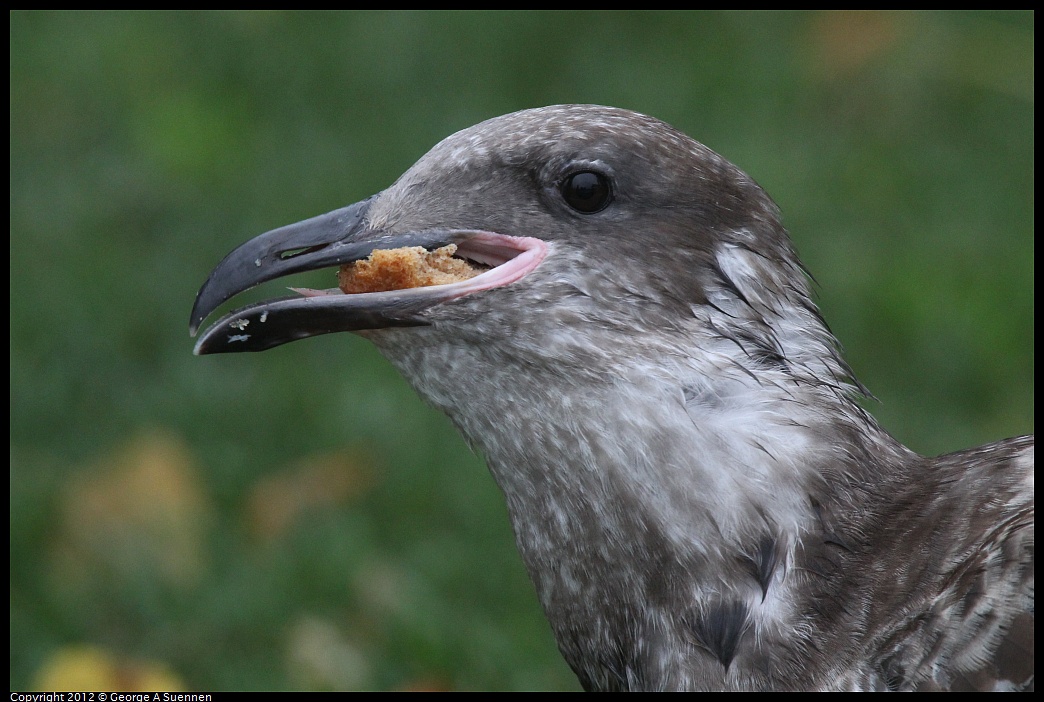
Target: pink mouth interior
[{"x": 509, "y": 257}]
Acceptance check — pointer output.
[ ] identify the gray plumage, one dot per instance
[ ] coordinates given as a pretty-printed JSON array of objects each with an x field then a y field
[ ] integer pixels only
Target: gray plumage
[{"x": 699, "y": 500}]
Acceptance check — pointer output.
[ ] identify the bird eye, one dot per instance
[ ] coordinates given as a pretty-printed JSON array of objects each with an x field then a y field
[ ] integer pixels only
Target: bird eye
[{"x": 587, "y": 191}]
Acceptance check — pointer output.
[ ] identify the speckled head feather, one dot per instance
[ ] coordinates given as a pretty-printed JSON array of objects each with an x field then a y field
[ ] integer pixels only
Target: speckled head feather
[{"x": 698, "y": 499}]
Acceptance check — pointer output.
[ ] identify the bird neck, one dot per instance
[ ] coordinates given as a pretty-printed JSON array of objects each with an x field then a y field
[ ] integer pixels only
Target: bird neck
[{"x": 658, "y": 487}]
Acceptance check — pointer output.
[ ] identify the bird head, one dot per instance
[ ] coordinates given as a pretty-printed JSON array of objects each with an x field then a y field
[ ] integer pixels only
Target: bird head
[{"x": 589, "y": 218}]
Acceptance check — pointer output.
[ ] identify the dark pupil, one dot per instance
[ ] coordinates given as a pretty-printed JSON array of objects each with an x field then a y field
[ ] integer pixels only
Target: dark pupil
[{"x": 586, "y": 191}]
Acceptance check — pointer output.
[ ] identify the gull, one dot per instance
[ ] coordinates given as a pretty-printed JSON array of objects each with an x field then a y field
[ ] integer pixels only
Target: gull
[{"x": 699, "y": 499}]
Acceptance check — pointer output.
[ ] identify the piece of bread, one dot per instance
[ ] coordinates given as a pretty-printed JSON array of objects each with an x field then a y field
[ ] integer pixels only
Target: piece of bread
[{"x": 408, "y": 267}]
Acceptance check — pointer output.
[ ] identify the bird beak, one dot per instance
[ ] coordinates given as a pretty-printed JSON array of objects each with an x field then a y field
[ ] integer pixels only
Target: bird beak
[{"x": 333, "y": 239}]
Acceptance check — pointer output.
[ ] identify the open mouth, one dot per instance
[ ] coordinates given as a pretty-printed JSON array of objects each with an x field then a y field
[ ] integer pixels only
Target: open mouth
[
  {"x": 384, "y": 280},
  {"x": 485, "y": 261}
]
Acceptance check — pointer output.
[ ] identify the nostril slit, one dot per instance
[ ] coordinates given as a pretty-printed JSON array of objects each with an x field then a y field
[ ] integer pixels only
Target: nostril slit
[{"x": 294, "y": 253}]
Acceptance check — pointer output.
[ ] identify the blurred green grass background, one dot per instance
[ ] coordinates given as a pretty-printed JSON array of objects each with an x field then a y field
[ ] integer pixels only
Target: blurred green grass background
[{"x": 298, "y": 519}]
